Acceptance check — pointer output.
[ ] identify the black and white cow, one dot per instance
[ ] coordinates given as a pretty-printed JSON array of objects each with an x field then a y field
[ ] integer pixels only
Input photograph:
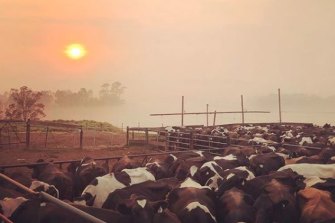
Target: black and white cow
[{"x": 98, "y": 190}]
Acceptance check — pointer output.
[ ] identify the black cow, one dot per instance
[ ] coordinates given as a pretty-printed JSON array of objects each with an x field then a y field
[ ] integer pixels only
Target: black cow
[
  {"x": 35, "y": 210},
  {"x": 263, "y": 164},
  {"x": 84, "y": 172},
  {"x": 287, "y": 177}
]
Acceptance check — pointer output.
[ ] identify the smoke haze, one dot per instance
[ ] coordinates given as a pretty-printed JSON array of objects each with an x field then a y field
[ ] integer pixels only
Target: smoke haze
[{"x": 210, "y": 51}]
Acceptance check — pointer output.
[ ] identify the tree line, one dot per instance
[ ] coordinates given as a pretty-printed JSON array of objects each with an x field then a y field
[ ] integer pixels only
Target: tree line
[{"x": 25, "y": 103}]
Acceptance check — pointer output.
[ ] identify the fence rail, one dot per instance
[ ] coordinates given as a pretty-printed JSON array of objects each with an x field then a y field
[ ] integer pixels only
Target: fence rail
[{"x": 106, "y": 159}]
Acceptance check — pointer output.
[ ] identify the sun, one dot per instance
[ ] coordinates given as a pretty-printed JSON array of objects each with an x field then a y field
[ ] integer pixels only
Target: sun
[{"x": 75, "y": 51}]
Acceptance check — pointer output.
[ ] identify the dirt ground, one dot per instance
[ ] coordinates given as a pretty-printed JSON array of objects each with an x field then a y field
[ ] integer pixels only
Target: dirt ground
[{"x": 14, "y": 156}]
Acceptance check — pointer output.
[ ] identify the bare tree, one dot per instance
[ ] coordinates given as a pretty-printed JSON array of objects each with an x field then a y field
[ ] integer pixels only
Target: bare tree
[{"x": 25, "y": 104}]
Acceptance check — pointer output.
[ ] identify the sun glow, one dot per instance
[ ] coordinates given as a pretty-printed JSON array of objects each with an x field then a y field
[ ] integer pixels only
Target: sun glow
[{"x": 75, "y": 51}]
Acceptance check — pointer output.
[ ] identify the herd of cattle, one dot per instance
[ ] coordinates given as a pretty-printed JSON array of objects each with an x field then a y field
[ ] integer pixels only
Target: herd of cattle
[{"x": 267, "y": 176}]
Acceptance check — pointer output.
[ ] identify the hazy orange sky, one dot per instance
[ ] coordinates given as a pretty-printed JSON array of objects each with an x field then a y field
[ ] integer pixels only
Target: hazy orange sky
[{"x": 211, "y": 51}]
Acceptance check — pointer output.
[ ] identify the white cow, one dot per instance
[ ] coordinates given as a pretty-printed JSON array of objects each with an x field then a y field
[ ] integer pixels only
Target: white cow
[{"x": 309, "y": 170}]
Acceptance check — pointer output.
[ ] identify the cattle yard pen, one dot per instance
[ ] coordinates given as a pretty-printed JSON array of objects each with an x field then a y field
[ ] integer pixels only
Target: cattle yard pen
[
  {"x": 179, "y": 142},
  {"x": 56, "y": 135},
  {"x": 189, "y": 139}
]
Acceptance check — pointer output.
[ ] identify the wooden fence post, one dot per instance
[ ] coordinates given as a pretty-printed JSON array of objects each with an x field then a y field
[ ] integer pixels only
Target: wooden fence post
[
  {"x": 191, "y": 140},
  {"x": 28, "y": 134},
  {"x": 46, "y": 137},
  {"x": 127, "y": 136},
  {"x": 214, "y": 119},
  {"x": 147, "y": 136},
  {"x": 8, "y": 134},
  {"x": 81, "y": 138},
  {"x": 242, "y": 108}
]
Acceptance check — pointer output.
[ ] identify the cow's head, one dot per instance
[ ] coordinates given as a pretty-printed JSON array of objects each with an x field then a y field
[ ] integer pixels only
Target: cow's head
[
  {"x": 125, "y": 163},
  {"x": 206, "y": 171},
  {"x": 37, "y": 169},
  {"x": 84, "y": 172},
  {"x": 159, "y": 170},
  {"x": 140, "y": 209}
]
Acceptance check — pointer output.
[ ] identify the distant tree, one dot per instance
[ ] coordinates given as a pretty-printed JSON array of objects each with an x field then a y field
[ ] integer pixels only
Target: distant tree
[
  {"x": 64, "y": 98},
  {"x": 26, "y": 104},
  {"x": 83, "y": 97},
  {"x": 47, "y": 98},
  {"x": 104, "y": 92},
  {"x": 111, "y": 94},
  {"x": 117, "y": 89},
  {"x": 1, "y": 110}
]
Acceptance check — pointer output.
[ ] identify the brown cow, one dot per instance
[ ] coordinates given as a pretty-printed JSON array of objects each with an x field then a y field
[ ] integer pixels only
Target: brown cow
[
  {"x": 125, "y": 163},
  {"x": 316, "y": 206},
  {"x": 236, "y": 206}
]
